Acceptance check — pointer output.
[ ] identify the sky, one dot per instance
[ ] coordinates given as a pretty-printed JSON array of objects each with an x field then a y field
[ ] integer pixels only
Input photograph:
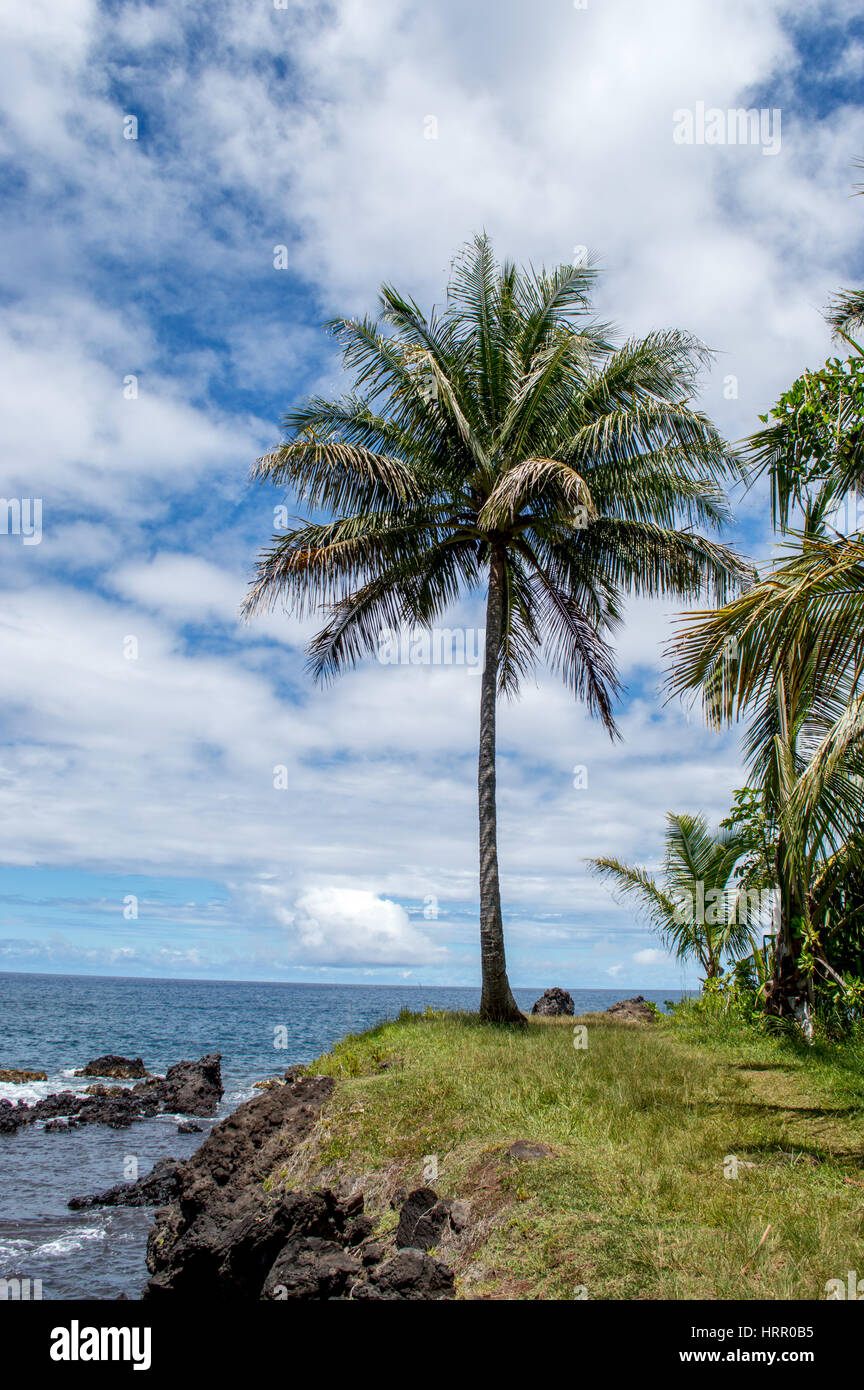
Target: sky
[{"x": 189, "y": 192}]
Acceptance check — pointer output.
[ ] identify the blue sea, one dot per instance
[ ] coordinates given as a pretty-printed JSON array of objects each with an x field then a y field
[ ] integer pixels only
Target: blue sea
[{"x": 57, "y": 1023}]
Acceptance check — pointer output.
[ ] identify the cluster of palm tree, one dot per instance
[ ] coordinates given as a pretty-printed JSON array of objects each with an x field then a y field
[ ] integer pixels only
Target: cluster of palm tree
[{"x": 788, "y": 656}]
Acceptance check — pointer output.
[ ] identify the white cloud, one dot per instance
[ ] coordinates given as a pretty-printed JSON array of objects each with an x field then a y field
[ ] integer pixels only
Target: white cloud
[
  {"x": 651, "y": 957},
  {"x": 179, "y": 587},
  {"x": 73, "y": 435},
  {"x": 348, "y": 926},
  {"x": 182, "y": 586}
]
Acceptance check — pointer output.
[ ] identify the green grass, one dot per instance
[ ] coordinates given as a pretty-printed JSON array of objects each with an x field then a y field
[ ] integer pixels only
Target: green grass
[{"x": 633, "y": 1203}]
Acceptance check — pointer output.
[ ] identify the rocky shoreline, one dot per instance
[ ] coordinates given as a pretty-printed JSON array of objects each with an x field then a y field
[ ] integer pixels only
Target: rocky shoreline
[
  {"x": 189, "y": 1088},
  {"x": 220, "y": 1234}
]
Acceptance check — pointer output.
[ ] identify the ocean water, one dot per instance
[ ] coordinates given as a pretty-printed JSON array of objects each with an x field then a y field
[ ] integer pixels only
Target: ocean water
[{"x": 57, "y": 1023}]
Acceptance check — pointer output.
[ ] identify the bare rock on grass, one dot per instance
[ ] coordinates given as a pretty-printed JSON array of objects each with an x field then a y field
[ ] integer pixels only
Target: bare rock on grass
[
  {"x": 425, "y": 1217},
  {"x": 634, "y": 1010},
  {"x": 554, "y": 1003},
  {"x": 422, "y": 1219},
  {"x": 460, "y": 1214},
  {"x": 523, "y": 1151}
]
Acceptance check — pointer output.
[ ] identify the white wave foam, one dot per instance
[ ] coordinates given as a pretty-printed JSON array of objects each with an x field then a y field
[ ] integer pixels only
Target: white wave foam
[
  {"x": 9, "y": 1249},
  {"x": 28, "y": 1091},
  {"x": 72, "y": 1241},
  {"x": 31, "y": 1091}
]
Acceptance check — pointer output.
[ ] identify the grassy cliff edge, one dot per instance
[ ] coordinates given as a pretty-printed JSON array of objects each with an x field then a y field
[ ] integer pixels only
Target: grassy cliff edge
[{"x": 646, "y": 1124}]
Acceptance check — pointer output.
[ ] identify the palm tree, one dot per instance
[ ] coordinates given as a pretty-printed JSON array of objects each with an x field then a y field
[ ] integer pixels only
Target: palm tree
[
  {"x": 503, "y": 443},
  {"x": 698, "y": 912},
  {"x": 789, "y": 654}
]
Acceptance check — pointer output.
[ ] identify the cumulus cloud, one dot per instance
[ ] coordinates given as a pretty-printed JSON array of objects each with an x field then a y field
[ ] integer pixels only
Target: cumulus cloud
[
  {"x": 101, "y": 435},
  {"x": 348, "y": 926},
  {"x": 185, "y": 586},
  {"x": 651, "y": 957}
]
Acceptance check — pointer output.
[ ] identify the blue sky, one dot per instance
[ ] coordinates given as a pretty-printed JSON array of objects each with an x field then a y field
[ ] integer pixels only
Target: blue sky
[{"x": 150, "y": 778}]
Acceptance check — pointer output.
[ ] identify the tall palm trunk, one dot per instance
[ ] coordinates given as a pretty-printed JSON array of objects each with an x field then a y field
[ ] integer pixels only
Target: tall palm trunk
[
  {"x": 496, "y": 1003},
  {"x": 790, "y": 991}
]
